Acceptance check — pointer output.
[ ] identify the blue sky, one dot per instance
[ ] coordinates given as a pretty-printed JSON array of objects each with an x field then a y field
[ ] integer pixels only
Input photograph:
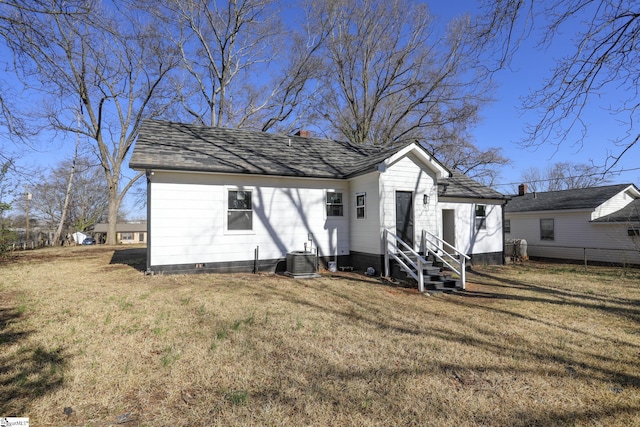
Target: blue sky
[{"x": 502, "y": 124}]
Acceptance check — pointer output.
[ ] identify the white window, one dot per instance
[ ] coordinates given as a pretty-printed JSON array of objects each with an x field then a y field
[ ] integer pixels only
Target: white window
[
  {"x": 361, "y": 203},
  {"x": 334, "y": 203},
  {"x": 547, "y": 229},
  {"x": 239, "y": 210},
  {"x": 481, "y": 217}
]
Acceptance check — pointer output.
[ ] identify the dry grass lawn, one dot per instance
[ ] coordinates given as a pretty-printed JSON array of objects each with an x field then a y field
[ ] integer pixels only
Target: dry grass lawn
[{"x": 86, "y": 339}]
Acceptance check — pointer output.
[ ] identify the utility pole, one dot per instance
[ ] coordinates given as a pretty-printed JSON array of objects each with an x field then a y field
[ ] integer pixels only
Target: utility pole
[{"x": 28, "y": 197}]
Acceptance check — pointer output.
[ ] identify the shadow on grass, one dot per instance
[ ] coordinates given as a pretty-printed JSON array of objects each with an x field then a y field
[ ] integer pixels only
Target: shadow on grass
[
  {"x": 133, "y": 257},
  {"x": 623, "y": 307},
  {"x": 26, "y": 371},
  {"x": 472, "y": 332}
]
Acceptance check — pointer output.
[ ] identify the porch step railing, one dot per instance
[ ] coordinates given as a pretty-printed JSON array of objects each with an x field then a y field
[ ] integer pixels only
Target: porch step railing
[
  {"x": 450, "y": 256},
  {"x": 409, "y": 260}
]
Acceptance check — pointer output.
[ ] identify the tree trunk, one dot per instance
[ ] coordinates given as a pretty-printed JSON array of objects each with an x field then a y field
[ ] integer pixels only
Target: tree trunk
[
  {"x": 112, "y": 219},
  {"x": 67, "y": 197}
]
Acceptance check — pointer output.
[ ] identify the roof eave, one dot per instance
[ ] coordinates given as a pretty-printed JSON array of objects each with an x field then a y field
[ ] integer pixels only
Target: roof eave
[
  {"x": 447, "y": 196},
  {"x": 223, "y": 172}
]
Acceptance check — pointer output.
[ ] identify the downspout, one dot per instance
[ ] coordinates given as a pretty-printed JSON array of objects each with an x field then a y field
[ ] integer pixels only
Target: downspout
[
  {"x": 149, "y": 173},
  {"x": 504, "y": 235}
]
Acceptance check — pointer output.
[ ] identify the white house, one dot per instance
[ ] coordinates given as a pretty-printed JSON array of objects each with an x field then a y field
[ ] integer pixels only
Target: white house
[
  {"x": 597, "y": 224},
  {"x": 127, "y": 233},
  {"x": 234, "y": 200}
]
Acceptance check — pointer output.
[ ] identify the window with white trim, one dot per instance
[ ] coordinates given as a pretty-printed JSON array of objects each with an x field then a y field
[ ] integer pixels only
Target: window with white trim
[
  {"x": 361, "y": 203},
  {"x": 481, "y": 217},
  {"x": 334, "y": 203},
  {"x": 239, "y": 210},
  {"x": 547, "y": 229},
  {"x": 507, "y": 226}
]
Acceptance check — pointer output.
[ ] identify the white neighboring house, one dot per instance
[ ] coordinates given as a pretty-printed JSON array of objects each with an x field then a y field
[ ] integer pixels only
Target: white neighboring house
[
  {"x": 600, "y": 223},
  {"x": 229, "y": 200}
]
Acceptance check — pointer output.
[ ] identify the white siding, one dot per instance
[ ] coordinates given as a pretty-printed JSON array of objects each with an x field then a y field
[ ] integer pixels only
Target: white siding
[
  {"x": 407, "y": 175},
  {"x": 365, "y": 233},
  {"x": 189, "y": 211},
  {"x": 468, "y": 239},
  {"x": 572, "y": 234},
  {"x": 612, "y": 205}
]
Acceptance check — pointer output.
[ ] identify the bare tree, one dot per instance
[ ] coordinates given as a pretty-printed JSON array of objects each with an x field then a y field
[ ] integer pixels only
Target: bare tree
[
  {"x": 390, "y": 77},
  {"x": 604, "y": 59},
  {"x": 533, "y": 178},
  {"x": 111, "y": 61},
  {"x": 242, "y": 68},
  {"x": 563, "y": 176},
  {"x": 76, "y": 203}
]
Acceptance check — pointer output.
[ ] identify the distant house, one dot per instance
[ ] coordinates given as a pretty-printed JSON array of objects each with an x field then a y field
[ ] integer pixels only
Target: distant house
[
  {"x": 600, "y": 224},
  {"x": 225, "y": 200},
  {"x": 126, "y": 232}
]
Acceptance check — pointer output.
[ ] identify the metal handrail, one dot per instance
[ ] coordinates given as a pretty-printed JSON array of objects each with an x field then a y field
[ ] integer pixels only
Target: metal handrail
[
  {"x": 418, "y": 266},
  {"x": 461, "y": 271}
]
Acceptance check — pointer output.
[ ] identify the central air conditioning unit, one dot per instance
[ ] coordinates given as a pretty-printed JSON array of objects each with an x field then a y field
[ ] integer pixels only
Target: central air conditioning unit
[{"x": 300, "y": 263}]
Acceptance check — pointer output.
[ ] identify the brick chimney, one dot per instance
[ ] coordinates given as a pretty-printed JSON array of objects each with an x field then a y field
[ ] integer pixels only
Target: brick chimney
[
  {"x": 304, "y": 133},
  {"x": 522, "y": 189}
]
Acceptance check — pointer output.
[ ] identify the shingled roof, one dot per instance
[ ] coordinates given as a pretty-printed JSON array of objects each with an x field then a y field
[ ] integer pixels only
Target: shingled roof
[
  {"x": 582, "y": 198},
  {"x": 183, "y": 147},
  {"x": 458, "y": 185},
  {"x": 177, "y": 146}
]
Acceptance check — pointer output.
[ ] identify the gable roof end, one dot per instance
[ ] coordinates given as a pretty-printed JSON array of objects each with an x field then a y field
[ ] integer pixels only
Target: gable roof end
[{"x": 416, "y": 149}]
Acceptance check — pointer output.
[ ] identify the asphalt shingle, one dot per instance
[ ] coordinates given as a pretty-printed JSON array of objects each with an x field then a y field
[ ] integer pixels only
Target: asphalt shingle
[
  {"x": 459, "y": 185},
  {"x": 581, "y": 198},
  {"x": 176, "y": 146}
]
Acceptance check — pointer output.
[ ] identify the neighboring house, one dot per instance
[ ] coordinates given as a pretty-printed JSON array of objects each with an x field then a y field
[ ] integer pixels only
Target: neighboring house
[
  {"x": 234, "y": 200},
  {"x": 599, "y": 224},
  {"x": 126, "y": 232}
]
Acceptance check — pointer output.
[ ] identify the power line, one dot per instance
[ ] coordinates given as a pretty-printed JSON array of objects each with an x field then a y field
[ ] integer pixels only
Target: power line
[{"x": 542, "y": 180}]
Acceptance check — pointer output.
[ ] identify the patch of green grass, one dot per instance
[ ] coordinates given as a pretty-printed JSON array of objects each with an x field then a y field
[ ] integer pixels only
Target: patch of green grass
[
  {"x": 238, "y": 397},
  {"x": 221, "y": 334}
]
